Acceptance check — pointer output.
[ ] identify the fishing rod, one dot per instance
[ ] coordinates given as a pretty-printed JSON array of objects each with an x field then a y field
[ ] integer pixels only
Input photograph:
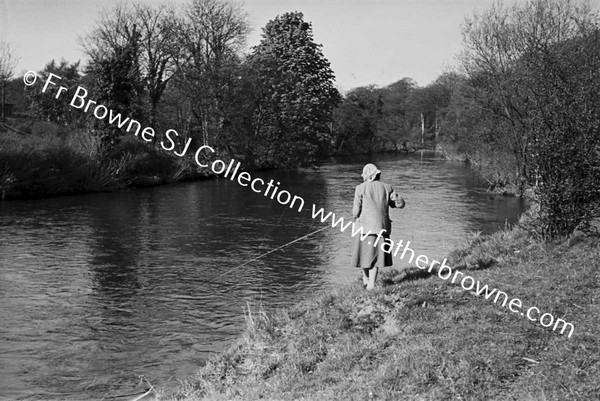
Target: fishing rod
[{"x": 266, "y": 253}]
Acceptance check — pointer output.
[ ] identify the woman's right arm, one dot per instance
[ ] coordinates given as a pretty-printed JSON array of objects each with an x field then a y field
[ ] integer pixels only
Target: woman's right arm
[{"x": 396, "y": 200}]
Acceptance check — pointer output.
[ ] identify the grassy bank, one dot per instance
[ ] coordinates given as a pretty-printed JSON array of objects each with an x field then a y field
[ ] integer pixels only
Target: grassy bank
[
  {"x": 418, "y": 337},
  {"x": 496, "y": 169},
  {"x": 49, "y": 160}
]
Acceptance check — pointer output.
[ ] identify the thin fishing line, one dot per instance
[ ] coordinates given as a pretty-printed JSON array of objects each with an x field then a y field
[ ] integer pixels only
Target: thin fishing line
[
  {"x": 283, "y": 211},
  {"x": 266, "y": 253}
]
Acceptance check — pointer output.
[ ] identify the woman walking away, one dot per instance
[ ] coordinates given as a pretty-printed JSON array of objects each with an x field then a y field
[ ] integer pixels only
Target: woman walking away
[{"x": 372, "y": 200}]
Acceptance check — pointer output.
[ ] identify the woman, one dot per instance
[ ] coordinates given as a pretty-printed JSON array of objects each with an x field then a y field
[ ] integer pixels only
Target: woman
[{"x": 372, "y": 200}]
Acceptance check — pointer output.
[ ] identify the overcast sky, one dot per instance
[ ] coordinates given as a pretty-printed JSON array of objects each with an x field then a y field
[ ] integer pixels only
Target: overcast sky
[{"x": 366, "y": 41}]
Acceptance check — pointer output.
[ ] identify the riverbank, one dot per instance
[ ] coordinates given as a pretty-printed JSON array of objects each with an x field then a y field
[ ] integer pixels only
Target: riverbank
[
  {"x": 420, "y": 337},
  {"x": 498, "y": 171},
  {"x": 51, "y": 161}
]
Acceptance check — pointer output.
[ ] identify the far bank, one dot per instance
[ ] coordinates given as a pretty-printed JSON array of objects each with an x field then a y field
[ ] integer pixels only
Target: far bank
[{"x": 52, "y": 161}]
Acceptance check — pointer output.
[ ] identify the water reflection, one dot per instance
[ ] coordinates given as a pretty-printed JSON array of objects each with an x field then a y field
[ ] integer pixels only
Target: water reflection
[{"x": 96, "y": 290}]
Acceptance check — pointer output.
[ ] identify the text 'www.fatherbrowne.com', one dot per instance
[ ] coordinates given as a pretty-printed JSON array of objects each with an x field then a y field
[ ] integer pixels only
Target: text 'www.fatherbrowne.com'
[{"x": 445, "y": 272}]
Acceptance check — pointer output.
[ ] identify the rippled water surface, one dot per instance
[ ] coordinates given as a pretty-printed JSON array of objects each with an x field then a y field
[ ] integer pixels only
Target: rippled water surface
[{"x": 98, "y": 290}]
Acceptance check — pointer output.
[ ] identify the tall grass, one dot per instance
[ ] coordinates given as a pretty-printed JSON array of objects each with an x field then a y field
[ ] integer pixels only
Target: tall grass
[
  {"x": 46, "y": 164},
  {"x": 52, "y": 160}
]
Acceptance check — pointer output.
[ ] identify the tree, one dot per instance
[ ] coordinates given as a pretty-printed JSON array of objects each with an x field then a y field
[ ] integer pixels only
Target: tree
[
  {"x": 469, "y": 131},
  {"x": 296, "y": 96},
  {"x": 564, "y": 89},
  {"x": 432, "y": 101},
  {"x": 46, "y": 106},
  {"x": 396, "y": 123},
  {"x": 150, "y": 31},
  {"x": 8, "y": 63},
  {"x": 160, "y": 52},
  {"x": 212, "y": 34},
  {"x": 535, "y": 69},
  {"x": 493, "y": 47},
  {"x": 115, "y": 81},
  {"x": 374, "y": 119},
  {"x": 356, "y": 121}
]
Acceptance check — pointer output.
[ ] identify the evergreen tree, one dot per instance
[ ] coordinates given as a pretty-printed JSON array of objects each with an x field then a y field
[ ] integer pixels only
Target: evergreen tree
[{"x": 296, "y": 96}]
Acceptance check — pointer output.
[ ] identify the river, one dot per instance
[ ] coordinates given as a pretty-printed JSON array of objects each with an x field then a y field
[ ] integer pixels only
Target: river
[{"x": 99, "y": 290}]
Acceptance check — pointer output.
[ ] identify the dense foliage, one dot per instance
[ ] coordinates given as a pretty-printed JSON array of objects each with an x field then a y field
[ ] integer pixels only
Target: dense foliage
[
  {"x": 566, "y": 131},
  {"x": 534, "y": 71},
  {"x": 296, "y": 96},
  {"x": 398, "y": 117},
  {"x": 45, "y": 106}
]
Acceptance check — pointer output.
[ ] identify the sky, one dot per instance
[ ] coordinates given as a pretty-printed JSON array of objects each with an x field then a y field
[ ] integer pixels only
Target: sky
[{"x": 368, "y": 42}]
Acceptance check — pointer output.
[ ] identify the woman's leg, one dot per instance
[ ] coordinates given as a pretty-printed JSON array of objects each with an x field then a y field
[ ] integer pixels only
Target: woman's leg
[
  {"x": 365, "y": 276},
  {"x": 372, "y": 277}
]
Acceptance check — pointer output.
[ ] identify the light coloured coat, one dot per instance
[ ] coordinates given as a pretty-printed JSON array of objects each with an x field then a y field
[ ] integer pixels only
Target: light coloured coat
[{"x": 372, "y": 201}]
